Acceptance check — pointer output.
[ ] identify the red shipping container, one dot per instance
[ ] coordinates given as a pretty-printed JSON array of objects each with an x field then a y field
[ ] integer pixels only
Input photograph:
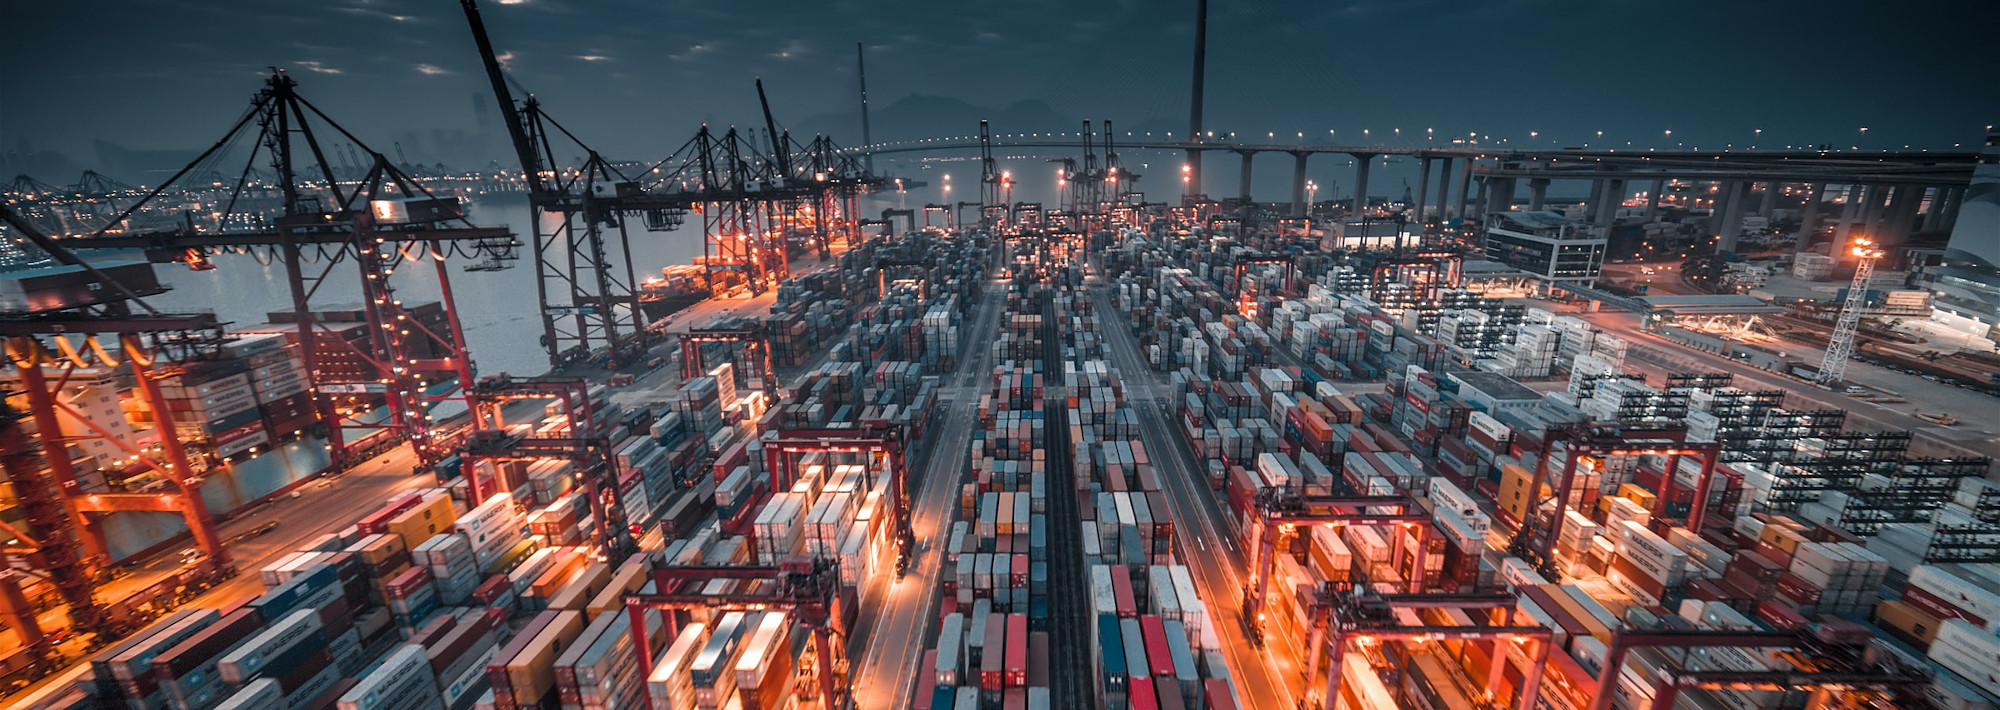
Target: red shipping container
[
  {"x": 1159, "y": 658},
  {"x": 1017, "y": 650},
  {"x": 1140, "y": 693}
]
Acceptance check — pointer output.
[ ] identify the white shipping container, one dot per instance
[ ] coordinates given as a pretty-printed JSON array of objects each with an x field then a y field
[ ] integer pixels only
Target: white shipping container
[{"x": 403, "y": 680}]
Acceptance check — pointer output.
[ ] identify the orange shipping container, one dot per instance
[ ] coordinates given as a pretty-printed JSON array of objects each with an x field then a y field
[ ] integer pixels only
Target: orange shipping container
[{"x": 568, "y": 561}]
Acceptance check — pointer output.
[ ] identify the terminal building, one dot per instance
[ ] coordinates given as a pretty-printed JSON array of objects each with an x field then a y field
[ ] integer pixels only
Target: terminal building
[
  {"x": 1965, "y": 284},
  {"x": 1547, "y": 245}
]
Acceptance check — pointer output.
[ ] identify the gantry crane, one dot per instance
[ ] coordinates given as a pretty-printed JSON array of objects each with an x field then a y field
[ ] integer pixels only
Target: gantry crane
[
  {"x": 1243, "y": 264},
  {"x": 587, "y": 444},
  {"x": 1840, "y": 348},
  {"x": 992, "y": 185},
  {"x": 1344, "y": 616},
  {"x": 1426, "y": 273},
  {"x": 64, "y": 536},
  {"x": 1278, "y": 507},
  {"x": 877, "y": 438},
  {"x": 755, "y": 360},
  {"x": 805, "y": 587},
  {"x": 747, "y": 196},
  {"x": 1536, "y": 540},
  {"x": 1623, "y": 641},
  {"x": 385, "y": 221}
]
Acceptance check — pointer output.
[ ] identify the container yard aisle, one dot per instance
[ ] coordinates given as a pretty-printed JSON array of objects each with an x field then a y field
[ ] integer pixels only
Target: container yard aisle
[
  {"x": 1070, "y": 665},
  {"x": 899, "y": 625},
  {"x": 1263, "y": 675}
]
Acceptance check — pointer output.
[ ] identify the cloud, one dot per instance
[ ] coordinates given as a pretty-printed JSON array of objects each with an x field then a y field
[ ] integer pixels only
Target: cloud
[
  {"x": 317, "y": 67},
  {"x": 504, "y": 58},
  {"x": 365, "y": 12},
  {"x": 593, "y": 57},
  {"x": 792, "y": 49},
  {"x": 431, "y": 70},
  {"x": 694, "y": 51}
]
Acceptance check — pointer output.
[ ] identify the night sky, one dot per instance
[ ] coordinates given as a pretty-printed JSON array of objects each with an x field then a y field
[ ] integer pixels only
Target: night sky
[{"x": 82, "y": 82}]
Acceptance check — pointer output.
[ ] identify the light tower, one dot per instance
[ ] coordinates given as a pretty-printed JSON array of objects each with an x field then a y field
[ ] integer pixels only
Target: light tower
[{"x": 1841, "y": 347}]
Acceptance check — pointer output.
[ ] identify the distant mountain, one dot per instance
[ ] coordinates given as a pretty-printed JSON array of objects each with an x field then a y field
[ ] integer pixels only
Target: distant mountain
[{"x": 144, "y": 167}]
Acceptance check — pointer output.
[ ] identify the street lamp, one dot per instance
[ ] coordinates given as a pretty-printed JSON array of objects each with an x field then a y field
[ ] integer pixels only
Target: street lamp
[
  {"x": 1187, "y": 175},
  {"x": 1312, "y": 195}
]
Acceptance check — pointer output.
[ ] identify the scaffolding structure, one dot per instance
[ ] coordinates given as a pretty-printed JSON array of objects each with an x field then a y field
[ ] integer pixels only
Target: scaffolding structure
[
  {"x": 1773, "y": 438},
  {"x": 1915, "y": 492}
]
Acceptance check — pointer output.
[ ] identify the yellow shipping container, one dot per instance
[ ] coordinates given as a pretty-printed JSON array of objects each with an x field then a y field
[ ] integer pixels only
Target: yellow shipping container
[
  {"x": 1643, "y": 497},
  {"x": 1513, "y": 498},
  {"x": 532, "y": 672},
  {"x": 427, "y": 520},
  {"x": 629, "y": 577}
]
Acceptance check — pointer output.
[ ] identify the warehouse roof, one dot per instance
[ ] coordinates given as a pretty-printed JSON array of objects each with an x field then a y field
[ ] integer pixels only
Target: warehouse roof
[
  {"x": 1499, "y": 387},
  {"x": 1720, "y": 304}
]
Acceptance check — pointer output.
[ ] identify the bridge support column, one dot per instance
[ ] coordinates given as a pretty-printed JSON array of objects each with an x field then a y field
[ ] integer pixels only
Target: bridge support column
[
  {"x": 1902, "y": 217},
  {"x": 1850, "y": 219},
  {"x": 1464, "y": 188},
  {"x": 1954, "y": 198},
  {"x": 1502, "y": 192},
  {"x": 1605, "y": 209},
  {"x": 1934, "y": 213},
  {"x": 1423, "y": 191},
  {"x": 1734, "y": 194},
  {"x": 1873, "y": 210},
  {"x": 1243, "y": 186},
  {"x": 1362, "y": 161},
  {"x": 1653, "y": 200},
  {"x": 1809, "y": 217},
  {"x": 1538, "y": 191},
  {"x": 1770, "y": 201},
  {"x": 1444, "y": 189},
  {"x": 1299, "y": 183},
  {"x": 1480, "y": 205}
]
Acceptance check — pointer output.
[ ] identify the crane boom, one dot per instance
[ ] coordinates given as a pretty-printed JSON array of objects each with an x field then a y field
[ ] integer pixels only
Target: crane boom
[{"x": 517, "y": 131}]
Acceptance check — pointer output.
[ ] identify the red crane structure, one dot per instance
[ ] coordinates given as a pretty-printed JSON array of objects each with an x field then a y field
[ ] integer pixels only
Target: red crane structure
[
  {"x": 1246, "y": 263},
  {"x": 312, "y": 223},
  {"x": 1536, "y": 540},
  {"x": 375, "y": 222},
  {"x": 1280, "y": 507},
  {"x": 808, "y": 588},
  {"x": 1427, "y": 273},
  {"x": 587, "y": 444},
  {"x": 755, "y": 355},
  {"x": 64, "y": 538},
  {"x": 874, "y": 437},
  {"x": 1341, "y": 617}
]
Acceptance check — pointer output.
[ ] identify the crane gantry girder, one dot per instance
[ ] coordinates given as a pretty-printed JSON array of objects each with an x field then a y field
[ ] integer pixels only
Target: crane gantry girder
[
  {"x": 693, "y": 365},
  {"x": 1536, "y": 539},
  {"x": 1276, "y": 506},
  {"x": 55, "y": 511},
  {"x": 1334, "y": 622},
  {"x": 807, "y": 588}
]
